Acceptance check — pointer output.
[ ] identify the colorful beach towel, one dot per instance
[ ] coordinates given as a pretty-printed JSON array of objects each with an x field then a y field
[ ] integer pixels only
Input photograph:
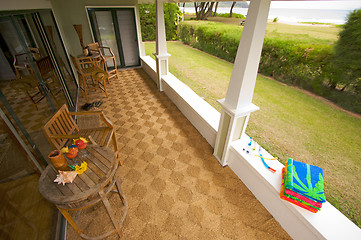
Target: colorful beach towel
[
  {"x": 304, "y": 200},
  {"x": 305, "y": 179},
  {"x": 291, "y": 200},
  {"x": 290, "y": 193}
]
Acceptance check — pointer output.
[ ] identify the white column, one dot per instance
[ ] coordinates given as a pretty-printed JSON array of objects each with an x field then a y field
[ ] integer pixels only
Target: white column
[
  {"x": 161, "y": 45},
  {"x": 237, "y": 105}
]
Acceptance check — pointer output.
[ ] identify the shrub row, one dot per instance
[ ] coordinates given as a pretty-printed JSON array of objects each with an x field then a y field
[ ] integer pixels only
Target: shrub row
[
  {"x": 304, "y": 65},
  {"x": 222, "y": 44}
]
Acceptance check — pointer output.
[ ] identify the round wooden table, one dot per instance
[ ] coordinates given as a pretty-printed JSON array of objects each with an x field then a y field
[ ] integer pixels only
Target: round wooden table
[{"x": 88, "y": 188}]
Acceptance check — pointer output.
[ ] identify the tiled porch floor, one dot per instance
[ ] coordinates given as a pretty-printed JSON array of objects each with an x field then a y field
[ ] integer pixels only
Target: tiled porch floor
[{"x": 175, "y": 188}]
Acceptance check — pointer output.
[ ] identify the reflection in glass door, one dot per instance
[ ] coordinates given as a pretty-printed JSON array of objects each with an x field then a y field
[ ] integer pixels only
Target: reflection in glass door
[
  {"x": 24, "y": 213},
  {"x": 36, "y": 77},
  {"x": 116, "y": 28},
  {"x": 35, "y": 80},
  {"x": 55, "y": 48}
]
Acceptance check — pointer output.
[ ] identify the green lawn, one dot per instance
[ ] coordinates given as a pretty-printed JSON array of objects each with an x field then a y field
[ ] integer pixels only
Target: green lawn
[{"x": 290, "y": 123}]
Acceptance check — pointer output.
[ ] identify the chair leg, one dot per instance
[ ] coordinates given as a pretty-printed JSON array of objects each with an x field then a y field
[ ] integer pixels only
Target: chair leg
[
  {"x": 115, "y": 145},
  {"x": 102, "y": 87},
  {"x": 85, "y": 89},
  {"x": 32, "y": 101}
]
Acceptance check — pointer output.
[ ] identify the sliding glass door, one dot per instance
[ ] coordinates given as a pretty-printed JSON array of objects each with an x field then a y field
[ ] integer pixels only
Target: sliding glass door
[{"x": 116, "y": 28}]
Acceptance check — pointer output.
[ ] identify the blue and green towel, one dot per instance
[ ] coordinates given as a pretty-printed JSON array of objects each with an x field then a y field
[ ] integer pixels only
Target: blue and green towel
[{"x": 305, "y": 179}]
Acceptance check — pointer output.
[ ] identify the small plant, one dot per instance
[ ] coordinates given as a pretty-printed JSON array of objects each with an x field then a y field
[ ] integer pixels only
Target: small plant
[{"x": 275, "y": 19}]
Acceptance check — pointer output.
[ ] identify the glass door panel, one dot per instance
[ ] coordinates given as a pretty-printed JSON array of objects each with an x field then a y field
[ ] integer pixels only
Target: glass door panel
[
  {"x": 128, "y": 36},
  {"x": 116, "y": 28},
  {"x": 58, "y": 54},
  {"x": 40, "y": 76},
  {"x": 106, "y": 34},
  {"x": 24, "y": 213}
]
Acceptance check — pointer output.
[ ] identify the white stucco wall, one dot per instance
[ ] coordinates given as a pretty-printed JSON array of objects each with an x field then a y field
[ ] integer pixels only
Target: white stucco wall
[
  {"x": 69, "y": 12},
  {"x": 7, "y": 5}
]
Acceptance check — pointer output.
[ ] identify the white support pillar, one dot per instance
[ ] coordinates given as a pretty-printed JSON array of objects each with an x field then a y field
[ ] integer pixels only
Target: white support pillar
[
  {"x": 161, "y": 44},
  {"x": 237, "y": 105}
]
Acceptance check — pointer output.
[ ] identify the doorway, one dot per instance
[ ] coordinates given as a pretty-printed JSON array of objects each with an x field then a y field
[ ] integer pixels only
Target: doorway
[{"x": 116, "y": 28}]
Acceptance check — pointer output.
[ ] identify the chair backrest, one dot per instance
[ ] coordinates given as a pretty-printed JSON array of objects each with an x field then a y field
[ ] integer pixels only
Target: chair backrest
[
  {"x": 20, "y": 59},
  {"x": 61, "y": 123},
  {"x": 35, "y": 52},
  {"x": 44, "y": 65},
  {"x": 84, "y": 64},
  {"x": 93, "y": 47}
]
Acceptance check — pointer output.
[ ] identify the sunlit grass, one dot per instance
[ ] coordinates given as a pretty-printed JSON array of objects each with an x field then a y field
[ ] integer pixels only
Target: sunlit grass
[{"x": 290, "y": 123}]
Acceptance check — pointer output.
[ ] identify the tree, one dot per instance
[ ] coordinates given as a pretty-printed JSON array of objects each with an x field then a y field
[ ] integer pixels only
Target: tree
[
  {"x": 231, "y": 11},
  {"x": 203, "y": 10},
  {"x": 348, "y": 53}
]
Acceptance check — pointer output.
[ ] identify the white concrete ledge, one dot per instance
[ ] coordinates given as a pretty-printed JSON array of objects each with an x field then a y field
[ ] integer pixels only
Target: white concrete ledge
[
  {"x": 328, "y": 223},
  {"x": 150, "y": 67}
]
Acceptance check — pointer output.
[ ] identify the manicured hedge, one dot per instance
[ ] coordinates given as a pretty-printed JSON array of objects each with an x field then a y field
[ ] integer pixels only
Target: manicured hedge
[
  {"x": 289, "y": 61},
  {"x": 222, "y": 43},
  {"x": 304, "y": 65}
]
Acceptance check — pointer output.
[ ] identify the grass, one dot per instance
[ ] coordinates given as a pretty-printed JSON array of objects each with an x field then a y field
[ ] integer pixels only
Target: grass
[
  {"x": 327, "y": 33},
  {"x": 291, "y": 123}
]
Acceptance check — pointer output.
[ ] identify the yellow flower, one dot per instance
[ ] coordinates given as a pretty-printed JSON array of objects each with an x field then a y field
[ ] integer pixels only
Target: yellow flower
[
  {"x": 80, "y": 169},
  {"x": 64, "y": 150}
]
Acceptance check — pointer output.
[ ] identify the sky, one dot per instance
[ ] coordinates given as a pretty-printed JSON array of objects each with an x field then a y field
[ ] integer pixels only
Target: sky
[{"x": 341, "y": 5}]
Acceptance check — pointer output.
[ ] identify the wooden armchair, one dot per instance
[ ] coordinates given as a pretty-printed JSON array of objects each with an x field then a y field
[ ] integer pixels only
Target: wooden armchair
[
  {"x": 29, "y": 85},
  {"x": 27, "y": 82},
  {"x": 21, "y": 65},
  {"x": 108, "y": 57},
  {"x": 47, "y": 73},
  {"x": 86, "y": 67},
  {"x": 62, "y": 128}
]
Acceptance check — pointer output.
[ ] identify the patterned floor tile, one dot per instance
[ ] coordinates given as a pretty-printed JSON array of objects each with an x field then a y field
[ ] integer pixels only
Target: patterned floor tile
[{"x": 176, "y": 189}]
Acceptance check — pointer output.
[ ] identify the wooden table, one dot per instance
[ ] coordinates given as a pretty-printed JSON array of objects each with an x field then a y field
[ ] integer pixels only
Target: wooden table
[{"x": 88, "y": 188}]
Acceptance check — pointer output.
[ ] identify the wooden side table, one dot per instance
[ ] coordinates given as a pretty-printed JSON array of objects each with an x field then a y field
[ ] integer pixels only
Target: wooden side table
[{"x": 87, "y": 189}]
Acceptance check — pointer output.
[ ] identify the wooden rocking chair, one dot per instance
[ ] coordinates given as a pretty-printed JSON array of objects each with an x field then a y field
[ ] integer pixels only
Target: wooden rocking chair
[
  {"x": 61, "y": 128},
  {"x": 108, "y": 57},
  {"x": 91, "y": 76}
]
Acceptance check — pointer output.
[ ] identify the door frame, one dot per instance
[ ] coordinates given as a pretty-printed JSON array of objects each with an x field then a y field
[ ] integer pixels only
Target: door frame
[{"x": 136, "y": 23}]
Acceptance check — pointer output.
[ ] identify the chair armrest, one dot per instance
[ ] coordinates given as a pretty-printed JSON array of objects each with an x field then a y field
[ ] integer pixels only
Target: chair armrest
[
  {"x": 108, "y": 49},
  {"x": 58, "y": 136},
  {"x": 86, "y": 113}
]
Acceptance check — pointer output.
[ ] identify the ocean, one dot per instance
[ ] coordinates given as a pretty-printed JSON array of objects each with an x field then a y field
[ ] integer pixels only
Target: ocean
[{"x": 286, "y": 15}]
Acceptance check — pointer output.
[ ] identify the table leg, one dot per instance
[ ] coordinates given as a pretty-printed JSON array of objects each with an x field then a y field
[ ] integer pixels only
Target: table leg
[{"x": 110, "y": 211}]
